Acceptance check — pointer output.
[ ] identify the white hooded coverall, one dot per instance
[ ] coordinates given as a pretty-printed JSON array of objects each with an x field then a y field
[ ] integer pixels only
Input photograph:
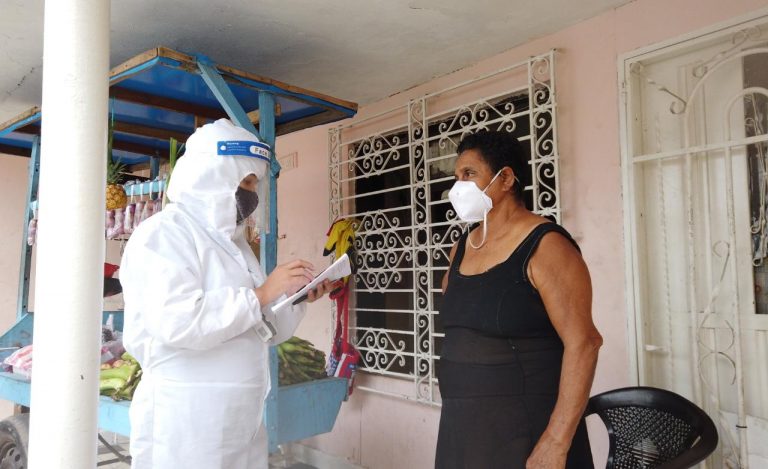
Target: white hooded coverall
[{"x": 188, "y": 279}]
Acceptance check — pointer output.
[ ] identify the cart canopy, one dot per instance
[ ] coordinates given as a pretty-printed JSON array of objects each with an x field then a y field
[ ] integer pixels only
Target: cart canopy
[{"x": 160, "y": 94}]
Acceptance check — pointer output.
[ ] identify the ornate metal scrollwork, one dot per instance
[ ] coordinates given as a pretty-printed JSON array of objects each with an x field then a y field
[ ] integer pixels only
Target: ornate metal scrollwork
[
  {"x": 403, "y": 250},
  {"x": 379, "y": 351},
  {"x": 373, "y": 154}
]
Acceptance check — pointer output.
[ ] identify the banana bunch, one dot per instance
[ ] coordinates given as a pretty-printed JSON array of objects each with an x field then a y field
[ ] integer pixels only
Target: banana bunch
[
  {"x": 299, "y": 361},
  {"x": 119, "y": 380}
]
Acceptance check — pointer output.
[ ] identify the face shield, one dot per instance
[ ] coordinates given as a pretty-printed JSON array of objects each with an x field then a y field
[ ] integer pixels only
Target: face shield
[{"x": 252, "y": 193}]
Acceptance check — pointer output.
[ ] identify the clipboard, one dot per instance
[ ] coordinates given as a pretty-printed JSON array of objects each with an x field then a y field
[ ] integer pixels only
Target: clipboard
[{"x": 339, "y": 269}]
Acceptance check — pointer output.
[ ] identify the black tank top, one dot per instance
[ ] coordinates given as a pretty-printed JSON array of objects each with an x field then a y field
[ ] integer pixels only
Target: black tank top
[
  {"x": 501, "y": 301},
  {"x": 500, "y": 364}
]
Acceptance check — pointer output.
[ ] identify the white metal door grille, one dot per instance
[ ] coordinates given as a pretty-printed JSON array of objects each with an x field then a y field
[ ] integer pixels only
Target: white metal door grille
[
  {"x": 695, "y": 175},
  {"x": 391, "y": 173}
]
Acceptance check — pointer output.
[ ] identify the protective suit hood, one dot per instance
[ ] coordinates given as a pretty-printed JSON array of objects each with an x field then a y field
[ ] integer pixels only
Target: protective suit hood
[{"x": 218, "y": 156}]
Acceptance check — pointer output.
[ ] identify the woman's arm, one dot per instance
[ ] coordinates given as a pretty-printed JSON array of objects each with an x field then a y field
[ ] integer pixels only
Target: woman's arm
[{"x": 559, "y": 273}]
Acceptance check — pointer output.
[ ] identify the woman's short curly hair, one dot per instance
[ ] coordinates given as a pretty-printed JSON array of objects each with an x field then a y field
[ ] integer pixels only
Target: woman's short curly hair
[{"x": 498, "y": 150}]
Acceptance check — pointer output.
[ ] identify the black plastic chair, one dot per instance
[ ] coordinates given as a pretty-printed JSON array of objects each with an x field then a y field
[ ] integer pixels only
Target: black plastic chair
[{"x": 653, "y": 428}]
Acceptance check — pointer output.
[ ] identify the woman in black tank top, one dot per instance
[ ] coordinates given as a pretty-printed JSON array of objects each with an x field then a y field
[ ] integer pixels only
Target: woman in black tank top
[{"x": 520, "y": 348}]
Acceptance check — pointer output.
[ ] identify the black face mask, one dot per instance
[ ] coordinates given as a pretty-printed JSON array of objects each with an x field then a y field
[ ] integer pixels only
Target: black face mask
[{"x": 246, "y": 202}]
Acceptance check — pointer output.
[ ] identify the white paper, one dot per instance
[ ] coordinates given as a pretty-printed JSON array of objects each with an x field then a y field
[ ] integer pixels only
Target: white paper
[{"x": 337, "y": 270}]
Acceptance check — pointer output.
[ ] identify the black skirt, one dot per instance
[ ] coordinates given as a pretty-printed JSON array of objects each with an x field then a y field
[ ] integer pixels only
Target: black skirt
[{"x": 494, "y": 412}]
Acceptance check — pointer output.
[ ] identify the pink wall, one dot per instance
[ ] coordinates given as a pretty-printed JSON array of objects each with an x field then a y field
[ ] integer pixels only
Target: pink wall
[
  {"x": 13, "y": 187},
  {"x": 13, "y": 190},
  {"x": 381, "y": 432}
]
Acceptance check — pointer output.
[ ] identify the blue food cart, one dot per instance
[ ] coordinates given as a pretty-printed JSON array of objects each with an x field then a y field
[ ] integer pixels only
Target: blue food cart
[{"x": 155, "y": 96}]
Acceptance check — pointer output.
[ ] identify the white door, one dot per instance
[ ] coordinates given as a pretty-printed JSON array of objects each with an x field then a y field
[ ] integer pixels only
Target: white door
[{"x": 696, "y": 186}]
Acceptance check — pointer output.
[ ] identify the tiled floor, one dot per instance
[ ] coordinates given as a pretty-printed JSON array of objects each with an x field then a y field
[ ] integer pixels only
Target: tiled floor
[
  {"x": 120, "y": 443},
  {"x": 279, "y": 461}
]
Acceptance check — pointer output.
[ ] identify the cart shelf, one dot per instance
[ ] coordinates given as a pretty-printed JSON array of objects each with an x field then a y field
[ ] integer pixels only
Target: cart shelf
[
  {"x": 304, "y": 409},
  {"x": 113, "y": 415},
  {"x": 310, "y": 408}
]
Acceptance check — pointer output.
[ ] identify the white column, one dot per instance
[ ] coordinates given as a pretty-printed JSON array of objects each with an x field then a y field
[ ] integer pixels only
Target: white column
[{"x": 70, "y": 242}]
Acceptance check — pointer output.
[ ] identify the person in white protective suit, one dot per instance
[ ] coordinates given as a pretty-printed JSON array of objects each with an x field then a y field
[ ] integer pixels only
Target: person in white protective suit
[{"x": 196, "y": 299}]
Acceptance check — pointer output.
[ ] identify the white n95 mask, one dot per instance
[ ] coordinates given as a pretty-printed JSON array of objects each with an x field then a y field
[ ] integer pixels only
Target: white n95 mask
[{"x": 472, "y": 204}]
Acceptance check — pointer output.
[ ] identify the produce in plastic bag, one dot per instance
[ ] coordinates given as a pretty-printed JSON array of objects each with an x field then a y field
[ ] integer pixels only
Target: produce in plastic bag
[
  {"x": 117, "y": 227},
  {"x": 149, "y": 210},
  {"x": 110, "y": 221},
  {"x": 111, "y": 340},
  {"x": 139, "y": 211},
  {"x": 112, "y": 350},
  {"x": 21, "y": 361},
  {"x": 32, "y": 232},
  {"x": 130, "y": 210}
]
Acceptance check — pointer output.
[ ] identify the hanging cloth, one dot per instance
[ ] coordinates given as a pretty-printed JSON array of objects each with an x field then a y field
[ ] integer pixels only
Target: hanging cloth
[{"x": 344, "y": 357}]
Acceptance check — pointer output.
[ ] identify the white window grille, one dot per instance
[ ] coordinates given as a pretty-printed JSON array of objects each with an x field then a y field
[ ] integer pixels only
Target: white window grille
[{"x": 391, "y": 172}]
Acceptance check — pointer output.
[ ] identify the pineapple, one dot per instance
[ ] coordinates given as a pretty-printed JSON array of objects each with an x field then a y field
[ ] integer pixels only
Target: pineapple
[{"x": 115, "y": 196}]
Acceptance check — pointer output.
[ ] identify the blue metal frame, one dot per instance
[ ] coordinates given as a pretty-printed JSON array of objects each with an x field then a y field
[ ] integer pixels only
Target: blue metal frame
[
  {"x": 303, "y": 410},
  {"x": 33, "y": 118},
  {"x": 269, "y": 254},
  {"x": 26, "y": 249},
  {"x": 132, "y": 71},
  {"x": 224, "y": 94},
  {"x": 144, "y": 188}
]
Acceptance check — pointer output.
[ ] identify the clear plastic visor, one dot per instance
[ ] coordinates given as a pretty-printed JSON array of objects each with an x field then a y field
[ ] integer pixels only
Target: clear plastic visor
[{"x": 251, "y": 206}]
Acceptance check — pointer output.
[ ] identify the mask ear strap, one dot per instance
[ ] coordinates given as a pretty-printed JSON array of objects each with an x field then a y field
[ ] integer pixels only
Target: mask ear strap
[
  {"x": 485, "y": 232},
  {"x": 492, "y": 179}
]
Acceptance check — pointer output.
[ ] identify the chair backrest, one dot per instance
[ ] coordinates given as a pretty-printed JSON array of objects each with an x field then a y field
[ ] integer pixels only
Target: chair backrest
[{"x": 653, "y": 428}]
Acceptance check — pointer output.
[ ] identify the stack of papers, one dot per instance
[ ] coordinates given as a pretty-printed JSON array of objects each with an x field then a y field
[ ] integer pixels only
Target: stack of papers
[{"x": 339, "y": 269}]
